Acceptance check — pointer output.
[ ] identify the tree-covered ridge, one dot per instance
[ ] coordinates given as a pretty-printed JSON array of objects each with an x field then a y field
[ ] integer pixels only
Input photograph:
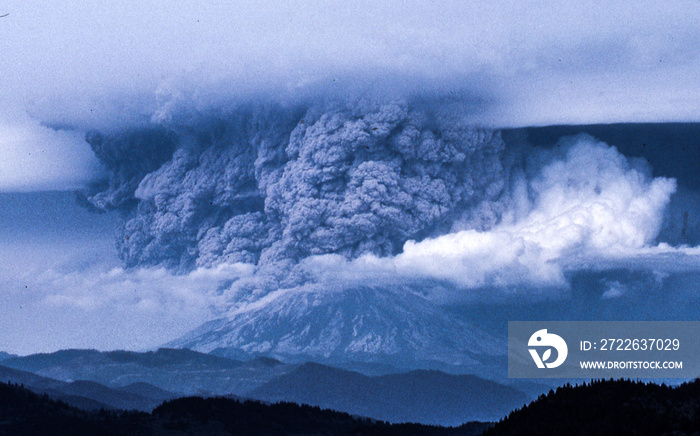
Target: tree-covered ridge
[
  {"x": 608, "y": 407},
  {"x": 605, "y": 407},
  {"x": 23, "y": 412}
]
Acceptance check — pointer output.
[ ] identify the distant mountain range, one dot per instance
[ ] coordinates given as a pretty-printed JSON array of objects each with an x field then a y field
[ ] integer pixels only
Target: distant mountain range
[
  {"x": 131, "y": 380},
  {"x": 4, "y": 356},
  {"x": 180, "y": 371},
  {"x": 89, "y": 395},
  {"x": 430, "y": 397}
]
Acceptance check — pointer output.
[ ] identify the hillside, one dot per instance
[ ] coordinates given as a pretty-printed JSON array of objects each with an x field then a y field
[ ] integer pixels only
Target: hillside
[
  {"x": 618, "y": 407},
  {"x": 25, "y": 413}
]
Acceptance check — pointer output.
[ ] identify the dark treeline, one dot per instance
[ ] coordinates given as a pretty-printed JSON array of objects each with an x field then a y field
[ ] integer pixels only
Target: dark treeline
[
  {"x": 608, "y": 407},
  {"x": 23, "y": 412},
  {"x": 603, "y": 407}
]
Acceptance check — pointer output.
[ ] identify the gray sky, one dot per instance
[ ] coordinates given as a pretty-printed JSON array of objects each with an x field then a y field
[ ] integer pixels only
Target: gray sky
[{"x": 104, "y": 64}]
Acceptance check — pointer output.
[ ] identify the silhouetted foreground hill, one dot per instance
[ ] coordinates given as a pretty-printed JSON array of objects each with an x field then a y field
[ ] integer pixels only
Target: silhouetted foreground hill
[
  {"x": 610, "y": 407},
  {"x": 254, "y": 418},
  {"x": 23, "y": 412}
]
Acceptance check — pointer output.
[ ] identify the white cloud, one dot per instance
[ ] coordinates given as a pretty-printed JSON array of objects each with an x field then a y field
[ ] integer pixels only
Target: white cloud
[
  {"x": 35, "y": 157},
  {"x": 148, "y": 290},
  {"x": 615, "y": 289},
  {"x": 49, "y": 307}
]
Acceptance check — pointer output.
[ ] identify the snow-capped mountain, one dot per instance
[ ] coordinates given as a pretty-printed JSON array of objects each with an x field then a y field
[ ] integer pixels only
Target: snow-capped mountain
[{"x": 367, "y": 324}]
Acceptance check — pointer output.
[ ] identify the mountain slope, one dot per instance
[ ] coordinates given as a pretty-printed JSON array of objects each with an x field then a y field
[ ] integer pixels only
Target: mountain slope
[
  {"x": 429, "y": 397},
  {"x": 28, "y": 379},
  {"x": 390, "y": 326}
]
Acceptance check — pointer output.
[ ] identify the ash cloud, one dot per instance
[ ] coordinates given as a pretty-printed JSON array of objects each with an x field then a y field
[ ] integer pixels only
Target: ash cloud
[
  {"x": 339, "y": 192},
  {"x": 357, "y": 191},
  {"x": 278, "y": 184}
]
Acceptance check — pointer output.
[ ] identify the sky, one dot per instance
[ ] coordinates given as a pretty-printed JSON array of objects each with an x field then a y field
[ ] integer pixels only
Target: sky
[
  {"x": 102, "y": 65},
  {"x": 116, "y": 266}
]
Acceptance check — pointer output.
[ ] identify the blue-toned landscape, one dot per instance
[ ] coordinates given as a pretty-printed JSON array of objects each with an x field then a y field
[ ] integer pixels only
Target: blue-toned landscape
[{"x": 323, "y": 216}]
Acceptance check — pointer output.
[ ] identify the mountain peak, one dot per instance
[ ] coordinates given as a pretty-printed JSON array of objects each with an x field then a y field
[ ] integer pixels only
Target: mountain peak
[{"x": 364, "y": 324}]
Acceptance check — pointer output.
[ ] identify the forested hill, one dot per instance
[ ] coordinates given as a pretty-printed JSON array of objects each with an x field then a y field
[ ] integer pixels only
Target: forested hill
[
  {"x": 602, "y": 408},
  {"x": 608, "y": 407},
  {"x": 23, "y": 412}
]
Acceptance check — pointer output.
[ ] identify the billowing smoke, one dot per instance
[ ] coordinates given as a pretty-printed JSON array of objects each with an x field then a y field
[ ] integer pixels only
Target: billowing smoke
[
  {"x": 356, "y": 192},
  {"x": 263, "y": 184}
]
